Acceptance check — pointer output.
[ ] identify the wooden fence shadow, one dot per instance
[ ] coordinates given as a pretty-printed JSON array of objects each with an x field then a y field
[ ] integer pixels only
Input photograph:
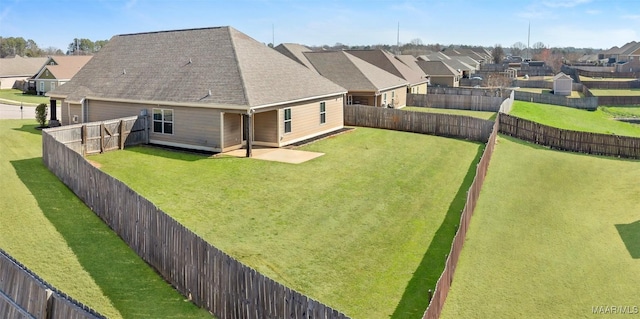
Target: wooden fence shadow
[
  {"x": 630, "y": 235},
  {"x": 415, "y": 298}
]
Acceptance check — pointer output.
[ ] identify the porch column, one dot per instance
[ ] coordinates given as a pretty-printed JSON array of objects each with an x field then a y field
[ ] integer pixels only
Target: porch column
[
  {"x": 53, "y": 120},
  {"x": 248, "y": 130}
]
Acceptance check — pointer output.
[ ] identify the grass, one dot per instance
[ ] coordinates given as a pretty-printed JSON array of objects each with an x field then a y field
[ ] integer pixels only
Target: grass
[
  {"x": 44, "y": 226},
  {"x": 597, "y": 121},
  {"x": 12, "y": 96},
  {"x": 479, "y": 114},
  {"x": 622, "y": 111},
  {"x": 591, "y": 79},
  {"x": 357, "y": 228},
  {"x": 550, "y": 239},
  {"x": 610, "y": 92},
  {"x": 574, "y": 94}
]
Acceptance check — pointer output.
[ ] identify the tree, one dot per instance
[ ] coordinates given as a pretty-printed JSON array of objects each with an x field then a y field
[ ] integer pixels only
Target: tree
[
  {"x": 518, "y": 48},
  {"x": 498, "y": 54},
  {"x": 41, "y": 114},
  {"x": 85, "y": 46},
  {"x": 12, "y": 46},
  {"x": 538, "y": 47}
]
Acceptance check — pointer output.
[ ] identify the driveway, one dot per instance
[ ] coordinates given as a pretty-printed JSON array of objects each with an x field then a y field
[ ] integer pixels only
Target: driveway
[{"x": 14, "y": 112}]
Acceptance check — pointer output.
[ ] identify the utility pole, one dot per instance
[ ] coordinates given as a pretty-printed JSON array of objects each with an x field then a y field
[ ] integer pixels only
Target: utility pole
[
  {"x": 398, "y": 40},
  {"x": 528, "y": 40}
]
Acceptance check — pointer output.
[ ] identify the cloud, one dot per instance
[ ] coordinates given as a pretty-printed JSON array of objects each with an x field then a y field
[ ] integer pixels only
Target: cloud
[
  {"x": 593, "y": 12},
  {"x": 632, "y": 17},
  {"x": 564, "y": 3}
]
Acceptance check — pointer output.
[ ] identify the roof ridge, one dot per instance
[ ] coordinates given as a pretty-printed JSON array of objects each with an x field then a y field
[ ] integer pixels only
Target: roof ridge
[
  {"x": 167, "y": 31},
  {"x": 240, "y": 74}
]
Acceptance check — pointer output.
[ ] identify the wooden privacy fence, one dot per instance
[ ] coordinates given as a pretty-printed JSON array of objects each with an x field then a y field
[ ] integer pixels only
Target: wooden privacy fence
[
  {"x": 489, "y": 103},
  {"x": 99, "y": 137},
  {"x": 446, "y": 278},
  {"x": 201, "y": 272},
  {"x": 465, "y": 127},
  {"x": 585, "y": 103},
  {"x": 25, "y": 295},
  {"x": 619, "y": 100},
  {"x": 566, "y": 140}
]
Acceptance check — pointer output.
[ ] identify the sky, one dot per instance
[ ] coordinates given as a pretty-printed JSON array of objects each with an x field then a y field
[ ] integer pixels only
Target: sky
[{"x": 597, "y": 24}]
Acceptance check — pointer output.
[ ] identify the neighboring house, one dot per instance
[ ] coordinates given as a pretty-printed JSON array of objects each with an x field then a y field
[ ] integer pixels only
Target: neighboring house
[
  {"x": 562, "y": 84},
  {"x": 386, "y": 61},
  {"x": 209, "y": 89},
  {"x": 16, "y": 70},
  {"x": 464, "y": 69},
  {"x": 440, "y": 73},
  {"x": 366, "y": 83},
  {"x": 411, "y": 62},
  {"x": 295, "y": 52},
  {"x": 56, "y": 71}
]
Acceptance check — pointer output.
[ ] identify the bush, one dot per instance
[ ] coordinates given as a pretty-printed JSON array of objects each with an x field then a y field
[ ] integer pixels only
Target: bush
[{"x": 41, "y": 114}]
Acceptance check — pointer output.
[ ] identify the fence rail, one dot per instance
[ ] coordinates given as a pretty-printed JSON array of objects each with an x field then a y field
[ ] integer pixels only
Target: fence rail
[
  {"x": 25, "y": 295},
  {"x": 566, "y": 140},
  {"x": 207, "y": 276},
  {"x": 445, "y": 281},
  {"x": 459, "y": 126}
]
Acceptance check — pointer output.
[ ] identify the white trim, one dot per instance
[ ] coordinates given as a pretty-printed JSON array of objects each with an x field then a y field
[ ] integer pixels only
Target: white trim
[{"x": 188, "y": 146}]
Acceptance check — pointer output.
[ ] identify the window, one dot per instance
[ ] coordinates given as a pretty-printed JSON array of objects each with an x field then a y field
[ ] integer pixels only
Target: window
[
  {"x": 163, "y": 121},
  {"x": 41, "y": 86},
  {"x": 53, "y": 86},
  {"x": 384, "y": 99},
  {"x": 323, "y": 113},
  {"x": 287, "y": 120},
  {"x": 349, "y": 99}
]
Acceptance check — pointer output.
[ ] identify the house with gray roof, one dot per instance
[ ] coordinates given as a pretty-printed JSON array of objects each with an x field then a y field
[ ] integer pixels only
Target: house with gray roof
[
  {"x": 213, "y": 89},
  {"x": 366, "y": 83},
  {"x": 17, "y": 68},
  {"x": 58, "y": 70},
  {"x": 440, "y": 73},
  {"x": 387, "y": 61}
]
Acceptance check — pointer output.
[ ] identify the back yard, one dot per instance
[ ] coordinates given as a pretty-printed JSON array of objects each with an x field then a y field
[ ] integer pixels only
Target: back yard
[
  {"x": 364, "y": 228},
  {"x": 598, "y": 121},
  {"x": 44, "y": 226},
  {"x": 554, "y": 235}
]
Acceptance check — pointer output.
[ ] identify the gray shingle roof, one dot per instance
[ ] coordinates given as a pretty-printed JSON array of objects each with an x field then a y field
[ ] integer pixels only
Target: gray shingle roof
[
  {"x": 295, "y": 52},
  {"x": 183, "y": 66},
  {"x": 437, "y": 68},
  {"x": 389, "y": 63},
  {"x": 19, "y": 66},
  {"x": 352, "y": 72},
  {"x": 410, "y": 61}
]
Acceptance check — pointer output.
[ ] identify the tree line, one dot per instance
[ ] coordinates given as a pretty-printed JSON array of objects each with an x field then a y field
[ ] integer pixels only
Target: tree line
[{"x": 12, "y": 46}]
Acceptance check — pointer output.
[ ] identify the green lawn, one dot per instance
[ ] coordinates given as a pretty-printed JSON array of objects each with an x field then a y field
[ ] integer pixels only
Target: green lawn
[
  {"x": 479, "y": 114},
  {"x": 590, "y": 79},
  {"x": 622, "y": 111},
  {"x": 44, "y": 226},
  {"x": 554, "y": 234},
  {"x": 609, "y": 92},
  {"x": 11, "y": 96},
  {"x": 574, "y": 94},
  {"x": 363, "y": 228},
  {"x": 597, "y": 121}
]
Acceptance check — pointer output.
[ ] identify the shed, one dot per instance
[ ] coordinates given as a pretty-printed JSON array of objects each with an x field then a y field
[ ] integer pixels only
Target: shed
[{"x": 562, "y": 84}]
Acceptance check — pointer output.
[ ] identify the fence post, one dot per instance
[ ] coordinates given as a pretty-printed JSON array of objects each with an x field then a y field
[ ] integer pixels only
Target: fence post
[
  {"x": 121, "y": 133},
  {"x": 83, "y": 134},
  {"x": 48, "y": 312},
  {"x": 101, "y": 137}
]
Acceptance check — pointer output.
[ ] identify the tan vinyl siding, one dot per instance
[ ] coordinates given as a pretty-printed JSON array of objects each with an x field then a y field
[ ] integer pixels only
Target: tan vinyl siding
[
  {"x": 75, "y": 110},
  {"x": 420, "y": 88},
  {"x": 232, "y": 130},
  {"x": 305, "y": 119},
  {"x": 192, "y": 126},
  {"x": 63, "y": 117},
  {"x": 265, "y": 127}
]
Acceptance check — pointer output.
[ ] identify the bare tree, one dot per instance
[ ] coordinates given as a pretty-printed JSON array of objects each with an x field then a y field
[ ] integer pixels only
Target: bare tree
[
  {"x": 498, "y": 54},
  {"x": 498, "y": 80},
  {"x": 538, "y": 47},
  {"x": 518, "y": 48}
]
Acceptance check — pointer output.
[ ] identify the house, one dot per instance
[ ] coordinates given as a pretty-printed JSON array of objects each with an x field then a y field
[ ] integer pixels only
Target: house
[
  {"x": 15, "y": 70},
  {"x": 56, "y": 71},
  {"x": 411, "y": 62},
  {"x": 562, "y": 84},
  {"x": 466, "y": 71},
  {"x": 295, "y": 52},
  {"x": 212, "y": 89},
  {"x": 440, "y": 73},
  {"x": 366, "y": 83},
  {"x": 387, "y": 61}
]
